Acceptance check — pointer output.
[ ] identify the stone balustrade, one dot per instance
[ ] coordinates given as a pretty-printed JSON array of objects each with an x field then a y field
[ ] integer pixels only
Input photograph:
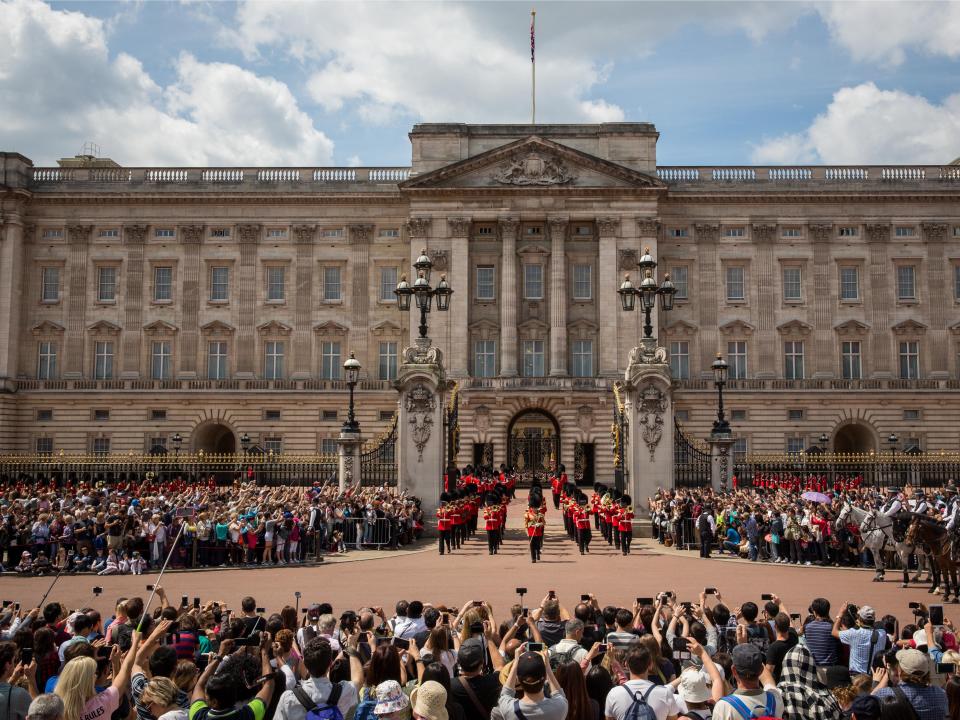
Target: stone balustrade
[
  {"x": 826, "y": 384},
  {"x": 825, "y": 174},
  {"x": 196, "y": 385},
  {"x": 46, "y": 176}
]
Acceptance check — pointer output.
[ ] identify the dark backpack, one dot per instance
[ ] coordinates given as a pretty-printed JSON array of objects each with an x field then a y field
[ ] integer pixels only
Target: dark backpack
[
  {"x": 327, "y": 711},
  {"x": 365, "y": 708},
  {"x": 558, "y": 659},
  {"x": 639, "y": 709}
]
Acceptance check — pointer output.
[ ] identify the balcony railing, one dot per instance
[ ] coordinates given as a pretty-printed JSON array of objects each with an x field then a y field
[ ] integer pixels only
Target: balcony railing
[
  {"x": 777, "y": 384},
  {"x": 250, "y": 177},
  {"x": 928, "y": 175},
  {"x": 539, "y": 383},
  {"x": 197, "y": 385}
]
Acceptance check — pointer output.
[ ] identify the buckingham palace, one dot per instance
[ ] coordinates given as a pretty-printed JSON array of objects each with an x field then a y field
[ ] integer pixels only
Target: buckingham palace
[{"x": 142, "y": 303}]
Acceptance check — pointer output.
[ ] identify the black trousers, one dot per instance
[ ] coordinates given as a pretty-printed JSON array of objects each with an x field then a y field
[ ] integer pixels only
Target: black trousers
[
  {"x": 536, "y": 546},
  {"x": 583, "y": 540},
  {"x": 626, "y": 536},
  {"x": 556, "y": 501},
  {"x": 445, "y": 541},
  {"x": 491, "y": 541},
  {"x": 706, "y": 544}
]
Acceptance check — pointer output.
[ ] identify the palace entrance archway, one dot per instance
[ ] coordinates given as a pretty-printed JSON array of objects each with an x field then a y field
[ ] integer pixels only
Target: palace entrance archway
[
  {"x": 854, "y": 438},
  {"x": 533, "y": 445},
  {"x": 214, "y": 438}
]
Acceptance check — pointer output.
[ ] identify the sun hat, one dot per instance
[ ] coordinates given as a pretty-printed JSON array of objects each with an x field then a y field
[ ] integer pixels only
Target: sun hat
[
  {"x": 866, "y": 613},
  {"x": 429, "y": 701},
  {"x": 693, "y": 688},
  {"x": 913, "y": 662},
  {"x": 390, "y": 698}
]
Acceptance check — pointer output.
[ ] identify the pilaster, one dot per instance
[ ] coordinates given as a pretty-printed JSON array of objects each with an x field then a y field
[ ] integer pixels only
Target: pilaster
[
  {"x": 348, "y": 458},
  {"x": 249, "y": 236},
  {"x": 134, "y": 237},
  {"x": 609, "y": 350},
  {"x": 360, "y": 235},
  {"x": 935, "y": 234},
  {"x": 78, "y": 239},
  {"x": 304, "y": 237},
  {"x": 558, "y": 295},
  {"x": 459, "y": 278},
  {"x": 766, "y": 336},
  {"x": 824, "y": 348},
  {"x": 649, "y": 409},
  {"x": 508, "y": 297},
  {"x": 708, "y": 295},
  {"x": 191, "y": 236},
  {"x": 11, "y": 291},
  {"x": 880, "y": 300}
]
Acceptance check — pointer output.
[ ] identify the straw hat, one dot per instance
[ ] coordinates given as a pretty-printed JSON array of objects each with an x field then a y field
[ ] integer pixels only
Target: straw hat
[{"x": 430, "y": 701}]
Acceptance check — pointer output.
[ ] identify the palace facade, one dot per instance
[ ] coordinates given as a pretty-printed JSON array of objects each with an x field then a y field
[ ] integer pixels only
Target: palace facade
[{"x": 139, "y": 303}]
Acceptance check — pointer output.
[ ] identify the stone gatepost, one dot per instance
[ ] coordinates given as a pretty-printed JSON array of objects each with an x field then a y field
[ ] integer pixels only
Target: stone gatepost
[
  {"x": 348, "y": 451},
  {"x": 420, "y": 433},
  {"x": 649, "y": 409},
  {"x": 721, "y": 462}
]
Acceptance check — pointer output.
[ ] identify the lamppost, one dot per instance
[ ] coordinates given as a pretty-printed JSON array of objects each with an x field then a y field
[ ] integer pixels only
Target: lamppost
[
  {"x": 177, "y": 441},
  {"x": 245, "y": 444},
  {"x": 720, "y": 370},
  {"x": 351, "y": 369},
  {"x": 893, "y": 440},
  {"x": 648, "y": 291},
  {"x": 423, "y": 292},
  {"x": 823, "y": 441}
]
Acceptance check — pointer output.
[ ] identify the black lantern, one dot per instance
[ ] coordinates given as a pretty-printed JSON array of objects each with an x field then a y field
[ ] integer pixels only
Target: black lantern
[
  {"x": 177, "y": 442},
  {"x": 245, "y": 443},
  {"x": 351, "y": 369},
  {"x": 422, "y": 291},
  {"x": 443, "y": 293},
  {"x": 403, "y": 292},
  {"x": 424, "y": 264},
  {"x": 648, "y": 291},
  {"x": 628, "y": 294},
  {"x": 666, "y": 292},
  {"x": 720, "y": 371}
]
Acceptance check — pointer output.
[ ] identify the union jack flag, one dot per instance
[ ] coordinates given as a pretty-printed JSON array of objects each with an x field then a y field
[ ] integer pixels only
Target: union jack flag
[{"x": 533, "y": 19}]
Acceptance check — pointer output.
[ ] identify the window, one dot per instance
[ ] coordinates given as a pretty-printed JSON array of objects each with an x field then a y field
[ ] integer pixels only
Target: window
[
  {"x": 217, "y": 360},
  {"x": 385, "y": 415},
  {"x": 737, "y": 359},
  {"x": 583, "y": 230},
  {"x": 793, "y": 360},
  {"x": 271, "y": 414},
  {"x": 103, "y": 360},
  {"x": 486, "y": 231},
  {"x": 680, "y": 360},
  {"x": 734, "y": 232},
  {"x": 50, "y": 233},
  {"x": 582, "y": 282},
  {"x": 388, "y": 360},
  {"x": 277, "y": 233},
  {"x": 101, "y": 415},
  {"x": 331, "y": 284},
  {"x": 158, "y": 414},
  {"x": 795, "y": 414},
  {"x": 485, "y": 358},
  {"x": 219, "y": 284},
  {"x": 159, "y": 441},
  {"x": 678, "y": 232},
  {"x": 738, "y": 414},
  {"x": 848, "y": 231},
  {"x": 329, "y": 415},
  {"x": 795, "y": 445},
  {"x": 273, "y": 445},
  {"x": 388, "y": 283},
  {"x": 275, "y": 284},
  {"x": 100, "y": 446},
  {"x": 906, "y": 286},
  {"x": 486, "y": 282},
  {"x": 44, "y": 415},
  {"x": 390, "y": 232},
  {"x": 850, "y": 364},
  {"x": 533, "y": 230},
  {"x": 582, "y": 358},
  {"x": 904, "y": 232},
  {"x": 44, "y": 446},
  {"x": 107, "y": 284},
  {"x": 160, "y": 360},
  {"x": 735, "y": 283},
  {"x": 679, "y": 277},
  {"x": 273, "y": 360},
  {"x": 162, "y": 284},
  {"x": 682, "y": 415},
  {"x": 47, "y": 361},
  {"x": 912, "y": 414},
  {"x": 849, "y": 283},
  {"x": 792, "y": 288},
  {"x": 50, "y": 284},
  {"x": 332, "y": 233},
  {"x": 910, "y": 360},
  {"x": 791, "y": 233},
  {"x": 739, "y": 450},
  {"x": 224, "y": 233},
  {"x": 164, "y": 233},
  {"x": 328, "y": 446},
  {"x": 330, "y": 360},
  {"x": 533, "y": 282},
  {"x": 533, "y": 365}
]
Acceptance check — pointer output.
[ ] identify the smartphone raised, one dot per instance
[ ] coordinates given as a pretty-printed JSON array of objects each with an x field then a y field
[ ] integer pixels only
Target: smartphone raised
[
  {"x": 251, "y": 641},
  {"x": 26, "y": 656},
  {"x": 584, "y": 598},
  {"x": 196, "y": 603},
  {"x": 709, "y": 591},
  {"x": 766, "y": 596},
  {"x": 261, "y": 611},
  {"x": 535, "y": 647},
  {"x": 521, "y": 591},
  {"x": 942, "y": 668},
  {"x": 183, "y": 600},
  {"x": 936, "y": 614},
  {"x": 680, "y": 644},
  {"x": 602, "y": 648},
  {"x": 644, "y": 601},
  {"x": 913, "y": 605},
  {"x": 525, "y": 612},
  {"x": 149, "y": 588},
  {"x": 552, "y": 593},
  {"x": 401, "y": 643}
]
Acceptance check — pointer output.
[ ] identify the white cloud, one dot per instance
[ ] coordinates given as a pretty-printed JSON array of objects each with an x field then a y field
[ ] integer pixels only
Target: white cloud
[
  {"x": 57, "y": 81},
  {"x": 864, "y": 124}
]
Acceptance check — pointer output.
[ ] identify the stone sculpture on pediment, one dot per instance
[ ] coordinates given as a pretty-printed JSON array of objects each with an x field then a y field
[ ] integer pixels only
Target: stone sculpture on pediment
[{"x": 533, "y": 168}]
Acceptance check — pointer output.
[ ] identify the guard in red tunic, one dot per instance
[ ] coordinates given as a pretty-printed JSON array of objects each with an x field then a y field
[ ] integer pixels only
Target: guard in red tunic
[
  {"x": 582, "y": 520},
  {"x": 491, "y": 520},
  {"x": 533, "y": 521},
  {"x": 456, "y": 519},
  {"x": 556, "y": 488},
  {"x": 625, "y": 523},
  {"x": 443, "y": 523}
]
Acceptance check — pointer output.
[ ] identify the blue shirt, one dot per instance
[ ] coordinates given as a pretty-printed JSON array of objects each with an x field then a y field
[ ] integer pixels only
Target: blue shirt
[
  {"x": 818, "y": 636},
  {"x": 929, "y": 702},
  {"x": 859, "y": 641},
  {"x": 733, "y": 536}
]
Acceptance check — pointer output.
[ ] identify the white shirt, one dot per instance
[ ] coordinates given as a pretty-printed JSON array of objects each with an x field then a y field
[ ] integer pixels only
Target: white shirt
[
  {"x": 661, "y": 700},
  {"x": 290, "y": 708},
  {"x": 725, "y": 711}
]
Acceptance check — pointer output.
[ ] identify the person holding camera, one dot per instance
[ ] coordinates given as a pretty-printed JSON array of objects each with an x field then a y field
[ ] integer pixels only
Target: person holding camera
[
  {"x": 533, "y": 673},
  {"x": 215, "y": 695},
  {"x": 865, "y": 641}
]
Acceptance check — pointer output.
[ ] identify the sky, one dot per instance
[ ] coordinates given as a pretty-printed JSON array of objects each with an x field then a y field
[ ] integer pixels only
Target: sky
[{"x": 275, "y": 83}]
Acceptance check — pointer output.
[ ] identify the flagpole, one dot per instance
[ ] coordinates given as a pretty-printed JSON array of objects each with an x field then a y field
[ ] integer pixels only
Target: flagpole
[{"x": 533, "y": 69}]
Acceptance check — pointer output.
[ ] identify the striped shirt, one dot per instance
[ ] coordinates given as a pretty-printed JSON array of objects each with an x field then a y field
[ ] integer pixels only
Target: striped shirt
[
  {"x": 818, "y": 636},
  {"x": 623, "y": 641},
  {"x": 859, "y": 641}
]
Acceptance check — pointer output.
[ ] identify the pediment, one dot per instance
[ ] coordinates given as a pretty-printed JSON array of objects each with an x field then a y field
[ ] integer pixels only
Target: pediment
[
  {"x": 534, "y": 249},
  {"x": 737, "y": 327},
  {"x": 909, "y": 327},
  {"x": 216, "y": 327},
  {"x": 47, "y": 327},
  {"x": 795, "y": 328},
  {"x": 387, "y": 327},
  {"x": 159, "y": 327},
  {"x": 680, "y": 328},
  {"x": 852, "y": 327},
  {"x": 582, "y": 329},
  {"x": 104, "y": 327},
  {"x": 533, "y": 163},
  {"x": 955, "y": 328},
  {"x": 483, "y": 325},
  {"x": 331, "y": 328},
  {"x": 533, "y": 330},
  {"x": 274, "y": 327}
]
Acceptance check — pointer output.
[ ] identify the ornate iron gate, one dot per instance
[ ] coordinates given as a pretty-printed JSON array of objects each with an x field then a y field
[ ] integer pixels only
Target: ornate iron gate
[
  {"x": 378, "y": 465},
  {"x": 691, "y": 464},
  {"x": 452, "y": 420},
  {"x": 533, "y": 457},
  {"x": 618, "y": 434}
]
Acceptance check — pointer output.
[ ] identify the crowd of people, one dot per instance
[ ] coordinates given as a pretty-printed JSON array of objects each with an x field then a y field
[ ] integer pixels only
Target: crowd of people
[
  {"x": 128, "y": 528},
  {"x": 663, "y": 657}
]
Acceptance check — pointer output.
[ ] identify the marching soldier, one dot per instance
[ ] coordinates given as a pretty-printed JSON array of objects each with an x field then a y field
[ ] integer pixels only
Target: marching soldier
[
  {"x": 582, "y": 522},
  {"x": 443, "y": 523},
  {"x": 555, "y": 489},
  {"x": 533, "y": 521},
  {"x": 625, "y": 523}
]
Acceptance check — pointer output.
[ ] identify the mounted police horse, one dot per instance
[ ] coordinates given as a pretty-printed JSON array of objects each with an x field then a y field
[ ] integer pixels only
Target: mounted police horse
[
  {"x": 879, "y": 533},
  {"x": 935, "y": 538}
]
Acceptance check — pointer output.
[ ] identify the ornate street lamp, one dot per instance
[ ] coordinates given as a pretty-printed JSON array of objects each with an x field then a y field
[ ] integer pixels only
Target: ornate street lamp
[
  {"x": 245, "y": 443},
  {"x": 177, "y": 441},
  {"x": 648, "y": 291},
  {"x": 351, "y": 369},
  {"x": 422, "y": 292},
  {"x": 893, "y": 440},
  {"x": 720, "y": 369}
]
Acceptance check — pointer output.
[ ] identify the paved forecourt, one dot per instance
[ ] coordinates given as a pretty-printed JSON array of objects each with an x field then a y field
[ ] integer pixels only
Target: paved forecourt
[{"x": 471, "y": 574}]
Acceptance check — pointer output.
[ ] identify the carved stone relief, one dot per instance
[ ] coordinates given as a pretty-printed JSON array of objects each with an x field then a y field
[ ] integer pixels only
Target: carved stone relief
[
  {"x": 650, "y": 413},
  {"x": 421, "y": 404},
  {"x": 533, "y": 168}
]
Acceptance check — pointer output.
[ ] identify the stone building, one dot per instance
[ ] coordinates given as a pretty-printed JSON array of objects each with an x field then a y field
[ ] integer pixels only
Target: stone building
[{"x": 136, "y": 303}]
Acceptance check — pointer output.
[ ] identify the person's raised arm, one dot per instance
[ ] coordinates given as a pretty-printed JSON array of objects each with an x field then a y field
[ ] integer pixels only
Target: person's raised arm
[
  {"x": 496, "y": 659},
  {"x": 200, "y": 689},
  {"x": 147, "y": 649},
  {"x": 122, "y": 679},
  {"x": 352, "y": 652},
  {"x": 266, "y": 692},
  {"x": 836, "y": 624},
  {"x": 716, "y": 680},
  {"x": 551, "y": 678}
]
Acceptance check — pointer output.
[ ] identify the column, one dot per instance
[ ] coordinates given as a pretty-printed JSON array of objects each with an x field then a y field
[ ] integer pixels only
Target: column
[
  {"x": 246, "y": 347},
  {"x": 360, "y": 292},
  {"x": 348, "y": 456},
  {"x": 459, "y": 278},
  {"x": 508, "y": 297},
  {"x": 558, "y": 295},
  {"x": 304, "y": 236},
  {"x": 134, "y": 237},
  {"x": 937, "y": 295},
  {"x": 824, "y": 350},
  {"x": 420, "y": 432},
  {"x": 766, "y": 336},
  {"x": 191, "y": 236},
  {"x": 78, "y": 239},
  {"x": 610, "y": 356},
  {"x": 880, "y": 301},
  {"x": 708, "y": 296},
  {"x": 11, "y": 291}
]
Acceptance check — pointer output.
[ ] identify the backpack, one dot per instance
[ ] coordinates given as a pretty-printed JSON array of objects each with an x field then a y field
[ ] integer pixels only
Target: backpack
[
  {"x": 558, "y": 659},
  {"x": 328, "y": 711},
  {"x": 365, "y": 707},
  {"x": 639, "y": 709},
  {"x": 741, "y": 707}
]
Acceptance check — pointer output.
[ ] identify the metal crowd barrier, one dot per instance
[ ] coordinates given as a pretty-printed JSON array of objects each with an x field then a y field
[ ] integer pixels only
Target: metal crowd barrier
[{"x": 359, "y": 533}]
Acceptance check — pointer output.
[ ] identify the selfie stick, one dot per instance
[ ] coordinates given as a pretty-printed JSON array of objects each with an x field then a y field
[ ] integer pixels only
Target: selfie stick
[
  {"x": 160, "y": 576},
  {"x": 40, "y": 604}
]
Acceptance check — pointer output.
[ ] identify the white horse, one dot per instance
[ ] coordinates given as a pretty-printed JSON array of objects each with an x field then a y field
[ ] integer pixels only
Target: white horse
[{"x": 876, "y": 530}]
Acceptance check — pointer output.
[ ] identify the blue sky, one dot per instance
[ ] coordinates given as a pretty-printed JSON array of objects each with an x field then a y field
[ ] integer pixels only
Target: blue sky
[{"x": 288, "y": 83}]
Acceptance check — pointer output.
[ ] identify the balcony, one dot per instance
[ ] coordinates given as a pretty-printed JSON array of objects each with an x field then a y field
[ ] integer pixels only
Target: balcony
[
  {"x": 196, "y": 385},
  {"x": 823, "y": 176},
  {"x": 538, "y": 383},
  {"x": 830, "y": 385}
]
